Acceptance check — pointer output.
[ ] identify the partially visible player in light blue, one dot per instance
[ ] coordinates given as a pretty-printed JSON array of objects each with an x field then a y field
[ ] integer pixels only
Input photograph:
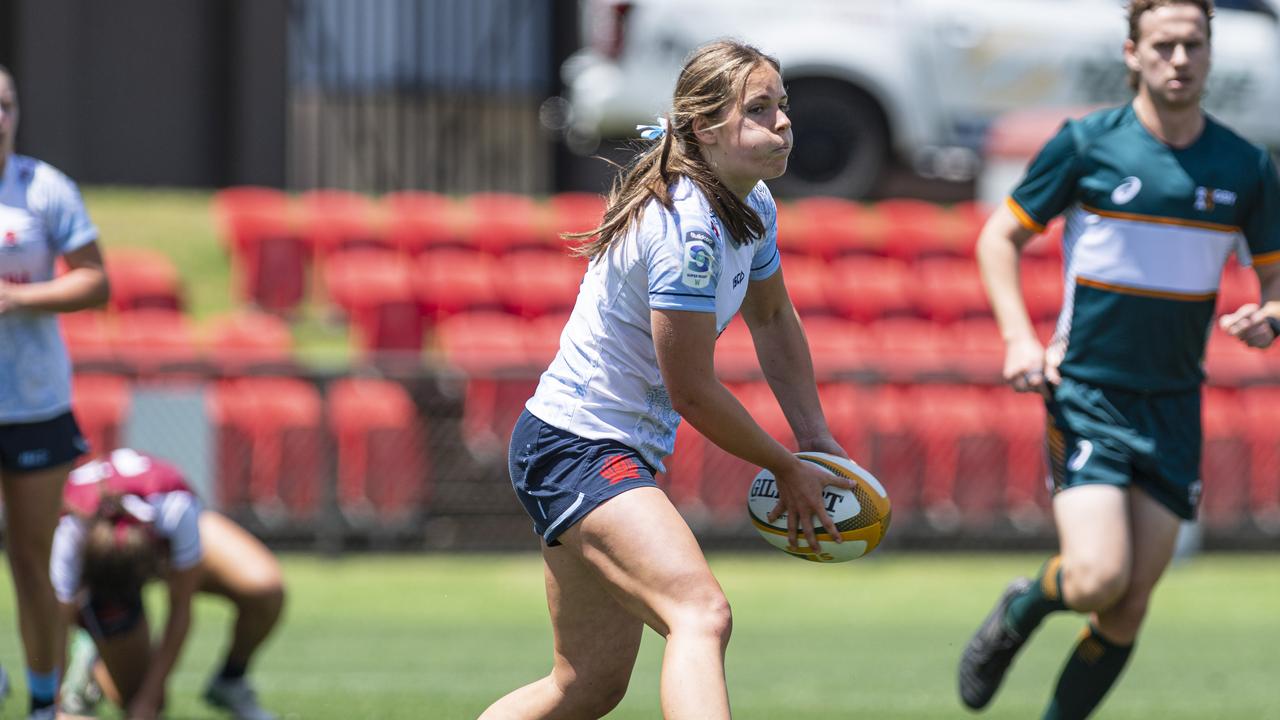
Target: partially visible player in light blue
[
  {"x": 688, "y": 238},
  {"x": 1156, "y": 196},
  {"x": 41, "y": 218}
]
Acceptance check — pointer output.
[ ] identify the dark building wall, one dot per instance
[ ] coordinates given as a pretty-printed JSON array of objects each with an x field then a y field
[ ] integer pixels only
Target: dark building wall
[{"x": 152, "y": 92}]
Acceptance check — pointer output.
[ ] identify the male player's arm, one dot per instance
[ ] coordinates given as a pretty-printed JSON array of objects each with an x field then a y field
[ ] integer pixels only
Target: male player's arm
[
  {"x": 1253, "y": 325},
  {"x": 150, "y": 697},
  {"x": 787, "y": 363},
  {"x": 999, "y": 246},
  {"x": 685, "y": 344}
]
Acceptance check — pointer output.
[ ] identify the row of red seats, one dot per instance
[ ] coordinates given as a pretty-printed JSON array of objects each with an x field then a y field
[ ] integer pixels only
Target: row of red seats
[
  {"x": 150, "y": 341},
  {"x": 964, "y": 455},
  {"x": 273, "y": 238},
  {"x": 272, "y": 434}
]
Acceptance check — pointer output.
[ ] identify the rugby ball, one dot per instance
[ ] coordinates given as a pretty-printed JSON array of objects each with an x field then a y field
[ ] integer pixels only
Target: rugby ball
[{"x": 861, "y": 515}]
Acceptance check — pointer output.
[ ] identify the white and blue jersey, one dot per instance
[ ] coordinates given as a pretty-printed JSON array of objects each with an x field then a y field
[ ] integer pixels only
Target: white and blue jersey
[
  {"x": 41, "y": 218},
  {"x": 604, "y": 382}
]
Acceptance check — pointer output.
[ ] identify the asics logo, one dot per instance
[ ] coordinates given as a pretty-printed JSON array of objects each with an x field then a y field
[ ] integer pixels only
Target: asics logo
[
  {"x": 1081, "y": 456},
  {"x": 1127, "y": 190}
]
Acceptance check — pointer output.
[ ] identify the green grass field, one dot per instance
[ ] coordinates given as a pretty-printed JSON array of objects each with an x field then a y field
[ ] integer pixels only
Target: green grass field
[{"x": 441, "y": 636}]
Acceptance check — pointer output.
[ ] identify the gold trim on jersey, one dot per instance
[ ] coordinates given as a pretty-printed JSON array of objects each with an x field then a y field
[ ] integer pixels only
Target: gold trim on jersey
[
  {"x": 1267, "y": 258},
  {"x": 1024, "y": 218},
  {"x": 1160, "y": 220},
  {"x": 1146, "y": 292}
]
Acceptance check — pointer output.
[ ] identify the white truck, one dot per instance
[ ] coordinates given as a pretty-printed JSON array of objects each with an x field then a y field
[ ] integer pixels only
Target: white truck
[{"x": 918, "y": 81}]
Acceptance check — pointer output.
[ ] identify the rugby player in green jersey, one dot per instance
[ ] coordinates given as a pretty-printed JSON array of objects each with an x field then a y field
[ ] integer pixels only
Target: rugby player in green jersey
[{"x": 1156, "y": 196}]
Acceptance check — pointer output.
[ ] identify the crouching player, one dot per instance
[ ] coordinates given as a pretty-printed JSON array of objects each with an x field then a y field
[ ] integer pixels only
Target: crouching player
[{"x": 130, "y": 518}]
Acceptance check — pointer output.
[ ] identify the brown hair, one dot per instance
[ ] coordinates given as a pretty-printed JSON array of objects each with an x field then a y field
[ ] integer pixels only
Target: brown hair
[
  {"x": 714, "y": 76},
  {"x": 1138, "y": 7},
  {"x": 119, "y": 558}
]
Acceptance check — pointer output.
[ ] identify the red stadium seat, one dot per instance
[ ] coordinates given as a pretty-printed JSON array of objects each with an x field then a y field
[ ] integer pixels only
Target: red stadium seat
[
  {"x": 338, "y": 221},
  {"x": 269, "y": 255},
  {"x": 500, "y": 374},
  {"x": 912, "y": 226},
  {"x": 542, "y": 338},
  {"x": 538, "y": 283},
  {"x": 1261, "y": 406},
  {"x": 1239, "y": 286},
  {"x": 376, "y": 291},
  {"x": 867, "y": 288},
  {"x": 499, "y": 222},
  {"x": 101, "y": 405},
  {"x": 724, "y": 476},
  {"x": 977, "y": 349},
  {"x": 894, "y": 449},
  {"x": 1043, "y": 288},
  {"x": 735, "y": 354},
  {"x": 1230, "y": 362},
  {"x": 88, "y": 336},
  {"x": 269, "y": 447},
  {"x": 232, "y": 203},
  {"x": 908, "y": 349},
  {"x": 155, "y": 342},
  {"x": 949, "y": 289},
  {"x": 835, "y": 226},
  {"x": 795, "y": 232},
  {"x": 837, "y": 346},
  {"x": 419, "y": 221},
  {"x": 1020, "y": 420},
  {"x": 1225, "y": 466},
  {"x": 965, "y": 454},
  {"x": 806, "y": 284},
  {"x": 242, "y": 341},
  {"x": 382, "y": 468},
  {"x": 143, "y": 279},
  {"x": 449, "y": 281},
  {"x": 572, "y": 212}
]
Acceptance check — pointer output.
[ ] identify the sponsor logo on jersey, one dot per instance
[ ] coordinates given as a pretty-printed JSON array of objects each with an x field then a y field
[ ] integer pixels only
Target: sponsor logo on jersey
[
  {"x": 10, "y": 241},
  {"x": 1126, "y": 191},
  {"x": 737, "y": 279},
  {"x": 1208, "y": 198},
  {"x": 698, "y": 259}
]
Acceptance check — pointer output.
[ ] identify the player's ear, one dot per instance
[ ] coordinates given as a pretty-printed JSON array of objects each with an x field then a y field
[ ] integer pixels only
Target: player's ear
[{"x": 1131, "y": 56}]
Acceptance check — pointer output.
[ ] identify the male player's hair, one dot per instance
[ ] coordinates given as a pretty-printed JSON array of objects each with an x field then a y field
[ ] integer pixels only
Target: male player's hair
[
  {"x": 1138, "y": 7},
  {"x": 714, "y": 76}
]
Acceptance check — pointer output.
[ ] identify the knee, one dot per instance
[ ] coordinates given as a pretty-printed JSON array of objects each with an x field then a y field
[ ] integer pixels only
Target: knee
[
  {"x": 264, "y": 596},
  {"x": 707, "y": 614},
  {"x": 1092, "y": 587}
]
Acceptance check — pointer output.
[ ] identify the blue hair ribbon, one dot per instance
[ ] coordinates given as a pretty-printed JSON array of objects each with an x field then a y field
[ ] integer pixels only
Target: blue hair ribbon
[{"x": 653, "y": 132}]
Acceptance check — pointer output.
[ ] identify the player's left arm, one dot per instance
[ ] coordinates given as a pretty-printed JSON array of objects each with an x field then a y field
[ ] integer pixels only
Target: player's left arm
[
  {"x": 182, "y": 585},
  {"x": 784, "y": 356},
  {"x": 1253, "y": 324}
]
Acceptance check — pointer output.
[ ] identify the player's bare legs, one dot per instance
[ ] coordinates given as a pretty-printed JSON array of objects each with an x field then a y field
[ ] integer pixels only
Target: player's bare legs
[
  {"x": 1155, "y": 536},
  {"x": 32, "y": 504},
  {"x": 1096, "y": 547},
  {"x": 610, "y": 575},
  {"x": 596, "y": 641},
  {"x": 239, "y": 568},
  {"x": 123, "y": 661}
]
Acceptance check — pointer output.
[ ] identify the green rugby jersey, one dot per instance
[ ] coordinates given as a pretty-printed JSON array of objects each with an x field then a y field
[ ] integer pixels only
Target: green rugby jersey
[{"x": 1148, "y": 230}]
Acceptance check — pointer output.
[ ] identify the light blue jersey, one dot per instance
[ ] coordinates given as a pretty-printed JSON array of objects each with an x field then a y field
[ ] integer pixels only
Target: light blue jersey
[
  {"x": 41, "y": 218},
  {"x": 604, "y": 382}
]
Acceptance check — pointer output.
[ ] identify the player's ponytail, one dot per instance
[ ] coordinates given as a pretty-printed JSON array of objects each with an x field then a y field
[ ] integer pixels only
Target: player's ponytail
[{"x": 713, "y": 78}]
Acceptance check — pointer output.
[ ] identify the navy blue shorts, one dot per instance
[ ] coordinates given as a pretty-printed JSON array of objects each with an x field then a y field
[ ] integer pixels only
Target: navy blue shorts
[
  {"x": 559, "y": 477},
  {"x": 28, "y": 447},
  {"x": 104, "y": 619}
]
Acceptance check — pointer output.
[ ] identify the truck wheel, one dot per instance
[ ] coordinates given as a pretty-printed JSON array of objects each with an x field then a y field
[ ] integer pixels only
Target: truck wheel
[{"x": 841, "y": 141}]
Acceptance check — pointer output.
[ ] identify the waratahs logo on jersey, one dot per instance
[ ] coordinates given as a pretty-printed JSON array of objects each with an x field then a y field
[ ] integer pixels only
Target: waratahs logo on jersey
[{"x": 699, "y": 259}]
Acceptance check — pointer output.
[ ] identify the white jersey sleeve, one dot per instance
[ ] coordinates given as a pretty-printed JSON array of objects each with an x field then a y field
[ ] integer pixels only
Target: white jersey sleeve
[
  {"x": 177, "y": 519},
  {"x": 65, "y": 560},
  {"x": 58, "y": 199}
]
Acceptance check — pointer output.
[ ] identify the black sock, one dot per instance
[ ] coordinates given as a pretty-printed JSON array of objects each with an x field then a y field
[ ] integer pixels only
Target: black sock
[
  {"x": 1089, "y": 673},
  {"x": 38, "y": 703},
  {"x": 1043, "y": 597},
  {"x": 232, "y": 670}
]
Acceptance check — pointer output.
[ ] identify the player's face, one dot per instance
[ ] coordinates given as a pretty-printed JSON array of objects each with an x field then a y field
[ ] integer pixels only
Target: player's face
[
  {"x": 1171, "y": 55},
  {"x": 753, "y": 141},
  {"x": 8, "y": 115}
]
